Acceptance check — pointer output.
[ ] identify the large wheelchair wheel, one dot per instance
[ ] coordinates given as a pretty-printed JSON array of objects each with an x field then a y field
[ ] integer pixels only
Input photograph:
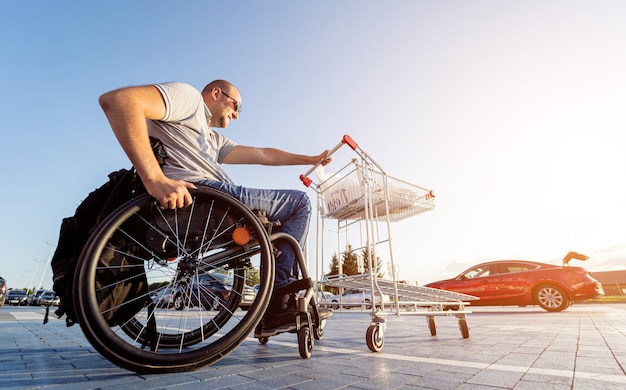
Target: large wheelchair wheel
[{"x": 142, "y": 257}]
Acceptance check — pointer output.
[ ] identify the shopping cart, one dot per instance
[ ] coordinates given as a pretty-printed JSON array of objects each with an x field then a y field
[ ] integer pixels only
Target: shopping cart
[{"x": 360, "y": 194}]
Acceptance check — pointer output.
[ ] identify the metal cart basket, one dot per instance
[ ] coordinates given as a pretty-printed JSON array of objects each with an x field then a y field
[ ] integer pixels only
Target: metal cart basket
[{"x": 362, "y": 194}]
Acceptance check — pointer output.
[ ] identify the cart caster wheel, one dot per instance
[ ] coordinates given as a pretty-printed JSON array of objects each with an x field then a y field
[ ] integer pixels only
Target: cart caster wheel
[
  {"x": 305, "y": 342},
  {"x": 375, "y": 338},
  {"x": 432, "y": 325},
  {"x": 264, "y": 340},
  {"x": 464, "y": 328}
]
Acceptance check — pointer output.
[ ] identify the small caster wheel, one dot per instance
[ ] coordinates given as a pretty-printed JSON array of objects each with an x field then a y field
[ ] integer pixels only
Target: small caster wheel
[
  {"x": 318, "y": 332},
  {"x": 375, "y": 338},
  {"x": 464, "y": 328},
  {"x": 305, "y": 342},
  {"x": 264, "y": 340},
  {"x": 432, "y": 325}
]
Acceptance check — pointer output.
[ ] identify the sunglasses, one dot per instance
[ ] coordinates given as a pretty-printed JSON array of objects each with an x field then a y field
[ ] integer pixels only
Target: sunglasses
[{"x": 237, "y": 104}]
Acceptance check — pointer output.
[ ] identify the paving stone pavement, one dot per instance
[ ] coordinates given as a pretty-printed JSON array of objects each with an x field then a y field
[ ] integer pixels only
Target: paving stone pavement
[{"x": 583, "y": 347}]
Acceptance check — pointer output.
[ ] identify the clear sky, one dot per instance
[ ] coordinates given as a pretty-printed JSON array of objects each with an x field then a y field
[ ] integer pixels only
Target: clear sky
[{"x": 512, "y": 112}]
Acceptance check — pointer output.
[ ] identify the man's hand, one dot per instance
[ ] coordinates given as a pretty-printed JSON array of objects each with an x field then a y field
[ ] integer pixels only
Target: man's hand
[
  {"x": 323, "y": 160},
  {"x": 171, "y": 194}
]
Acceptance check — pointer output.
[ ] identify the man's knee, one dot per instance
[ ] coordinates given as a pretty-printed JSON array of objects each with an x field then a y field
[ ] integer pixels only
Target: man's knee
[{"x": 305, "y": 202}]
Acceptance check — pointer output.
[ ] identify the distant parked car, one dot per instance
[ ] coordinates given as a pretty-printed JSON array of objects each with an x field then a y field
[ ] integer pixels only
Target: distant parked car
[
  {"x": 44, "y": 297},
  {"x": 211, "y": 290},
  {"x": 248, "y": 296},
  {"x": 33, "y": 299},
  {"x": 324, "y": 296},
  {"x": 164, "y": 298},
  {"x": 521, "y": 282},
  {"x": 48, "y": 298},
  {"x": 17, "y": 297},
  {"x": 3, "y": 291},
  {"x": 356, "y": 297}
]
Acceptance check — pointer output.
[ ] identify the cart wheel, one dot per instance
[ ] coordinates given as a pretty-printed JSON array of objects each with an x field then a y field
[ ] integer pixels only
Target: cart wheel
[
  {"x": 464, "y": 327},
  {"x": 305, "y": 342},
  {"x": 432, "y": 325},
  {"x": 264, "y": 340},
  {"x": 375, "y": 338}
]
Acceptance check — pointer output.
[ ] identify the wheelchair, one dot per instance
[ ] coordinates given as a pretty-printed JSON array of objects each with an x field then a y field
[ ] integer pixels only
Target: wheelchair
[{"x": 159, "y": 290}]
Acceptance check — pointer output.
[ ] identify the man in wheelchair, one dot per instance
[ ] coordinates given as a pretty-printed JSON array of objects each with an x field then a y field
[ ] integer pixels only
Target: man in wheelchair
[{"x": 183, "y": 118}]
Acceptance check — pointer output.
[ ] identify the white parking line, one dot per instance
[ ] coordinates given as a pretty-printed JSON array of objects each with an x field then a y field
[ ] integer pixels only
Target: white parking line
[
  {"x": 459, "y": 363},
  {"x": 24, "y": 315}
]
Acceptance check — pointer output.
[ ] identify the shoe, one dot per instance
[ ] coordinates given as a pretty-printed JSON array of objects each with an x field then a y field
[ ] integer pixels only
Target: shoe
[{"x": 276, "y": 323}]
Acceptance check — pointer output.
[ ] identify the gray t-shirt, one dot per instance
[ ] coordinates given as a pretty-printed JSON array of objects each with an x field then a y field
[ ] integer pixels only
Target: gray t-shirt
[{"x": 194, "y": 150}]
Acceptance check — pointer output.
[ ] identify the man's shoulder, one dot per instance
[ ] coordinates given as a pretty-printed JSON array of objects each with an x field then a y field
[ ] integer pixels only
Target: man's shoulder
[
  {"x": 182, "y": 101},
  {"x": 179, "y": 86}
]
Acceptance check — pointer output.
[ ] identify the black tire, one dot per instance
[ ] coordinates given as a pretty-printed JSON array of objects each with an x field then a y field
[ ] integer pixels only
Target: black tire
[
  {"x": 305, "y": 342},
  {"x": 551, "y": 298},
  {"x": 179, "y": 303},
  {"x": 175, "y": 246},
  {"x": 375, "y": 338},
  {"x": 216, "y": 303}
]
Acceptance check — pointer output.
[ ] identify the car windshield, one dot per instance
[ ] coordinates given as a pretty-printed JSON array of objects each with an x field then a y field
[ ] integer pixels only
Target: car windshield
[
  {"x": 18, "y": 292},
  {"x": 226, "y": 279}
]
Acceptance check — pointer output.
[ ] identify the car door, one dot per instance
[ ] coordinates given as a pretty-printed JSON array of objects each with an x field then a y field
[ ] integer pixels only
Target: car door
[
  {"x": 480, "y": 281},
  {"x": 513, "y": 282}
]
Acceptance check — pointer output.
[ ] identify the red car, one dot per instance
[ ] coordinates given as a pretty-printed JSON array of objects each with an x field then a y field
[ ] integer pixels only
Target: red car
[{"x": 522, "y": 282}]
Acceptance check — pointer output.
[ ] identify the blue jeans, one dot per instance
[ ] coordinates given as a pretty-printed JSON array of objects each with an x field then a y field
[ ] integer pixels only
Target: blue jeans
[{"x": 291, "y": 207}]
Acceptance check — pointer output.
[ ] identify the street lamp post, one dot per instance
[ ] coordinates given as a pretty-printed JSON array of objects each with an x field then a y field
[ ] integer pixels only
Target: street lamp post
[
  {"x": 32, "y": 277},
  {"x": 35, "y": 288},
  {"x": 47, "y": 264}
]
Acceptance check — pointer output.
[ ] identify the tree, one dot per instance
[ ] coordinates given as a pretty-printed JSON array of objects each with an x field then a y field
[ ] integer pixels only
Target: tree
[
  {"x": 376, "y": 261},
  {"x": 349, "y": 262}
]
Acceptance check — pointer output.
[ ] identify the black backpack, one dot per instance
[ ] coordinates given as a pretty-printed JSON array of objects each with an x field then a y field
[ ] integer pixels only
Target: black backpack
[{"x": 122, "y": 186}]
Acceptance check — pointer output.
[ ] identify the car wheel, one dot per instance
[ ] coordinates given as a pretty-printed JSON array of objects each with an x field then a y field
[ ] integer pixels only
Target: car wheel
[
  {"x": 217, "y": 303},
  {"x": 551, "y": 298},
  {"x": 178, "y": 302},
  {"x": 334, "y": 304}
]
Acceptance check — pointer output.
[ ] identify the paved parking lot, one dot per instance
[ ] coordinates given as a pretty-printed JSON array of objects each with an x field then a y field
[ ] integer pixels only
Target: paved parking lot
[{"x": 583, "y": 347}]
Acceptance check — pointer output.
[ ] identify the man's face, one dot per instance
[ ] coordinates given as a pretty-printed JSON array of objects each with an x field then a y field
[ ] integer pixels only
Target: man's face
[{"x": 225, "y": 107}]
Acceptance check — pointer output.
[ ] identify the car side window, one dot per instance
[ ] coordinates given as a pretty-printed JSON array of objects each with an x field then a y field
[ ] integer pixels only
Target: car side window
[
  {"x": 477, "y": 272},
  {"x": 519, "y": 268}
]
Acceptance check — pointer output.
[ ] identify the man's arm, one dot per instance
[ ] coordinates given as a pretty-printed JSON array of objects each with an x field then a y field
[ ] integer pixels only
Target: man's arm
[
  {"x": 127, "y": 110},
  {"x": 271, "y": 156}
]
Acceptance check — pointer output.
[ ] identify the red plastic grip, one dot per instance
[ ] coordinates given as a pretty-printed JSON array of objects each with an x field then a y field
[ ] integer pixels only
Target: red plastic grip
[
  {"x": 349, "y": 141},
  {"x": 305, "y": 180}
]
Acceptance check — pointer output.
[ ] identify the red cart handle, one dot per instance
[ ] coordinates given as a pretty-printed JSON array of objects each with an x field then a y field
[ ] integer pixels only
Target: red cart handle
[{"x": 345, "y": 140}]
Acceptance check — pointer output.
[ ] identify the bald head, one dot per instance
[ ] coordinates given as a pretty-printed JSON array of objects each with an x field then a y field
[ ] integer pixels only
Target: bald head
[{"x": 221, "y": 84}]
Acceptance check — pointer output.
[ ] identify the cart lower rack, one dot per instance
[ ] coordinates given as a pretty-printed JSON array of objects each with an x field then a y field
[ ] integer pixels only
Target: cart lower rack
[{"x": 426, "y": 301}]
